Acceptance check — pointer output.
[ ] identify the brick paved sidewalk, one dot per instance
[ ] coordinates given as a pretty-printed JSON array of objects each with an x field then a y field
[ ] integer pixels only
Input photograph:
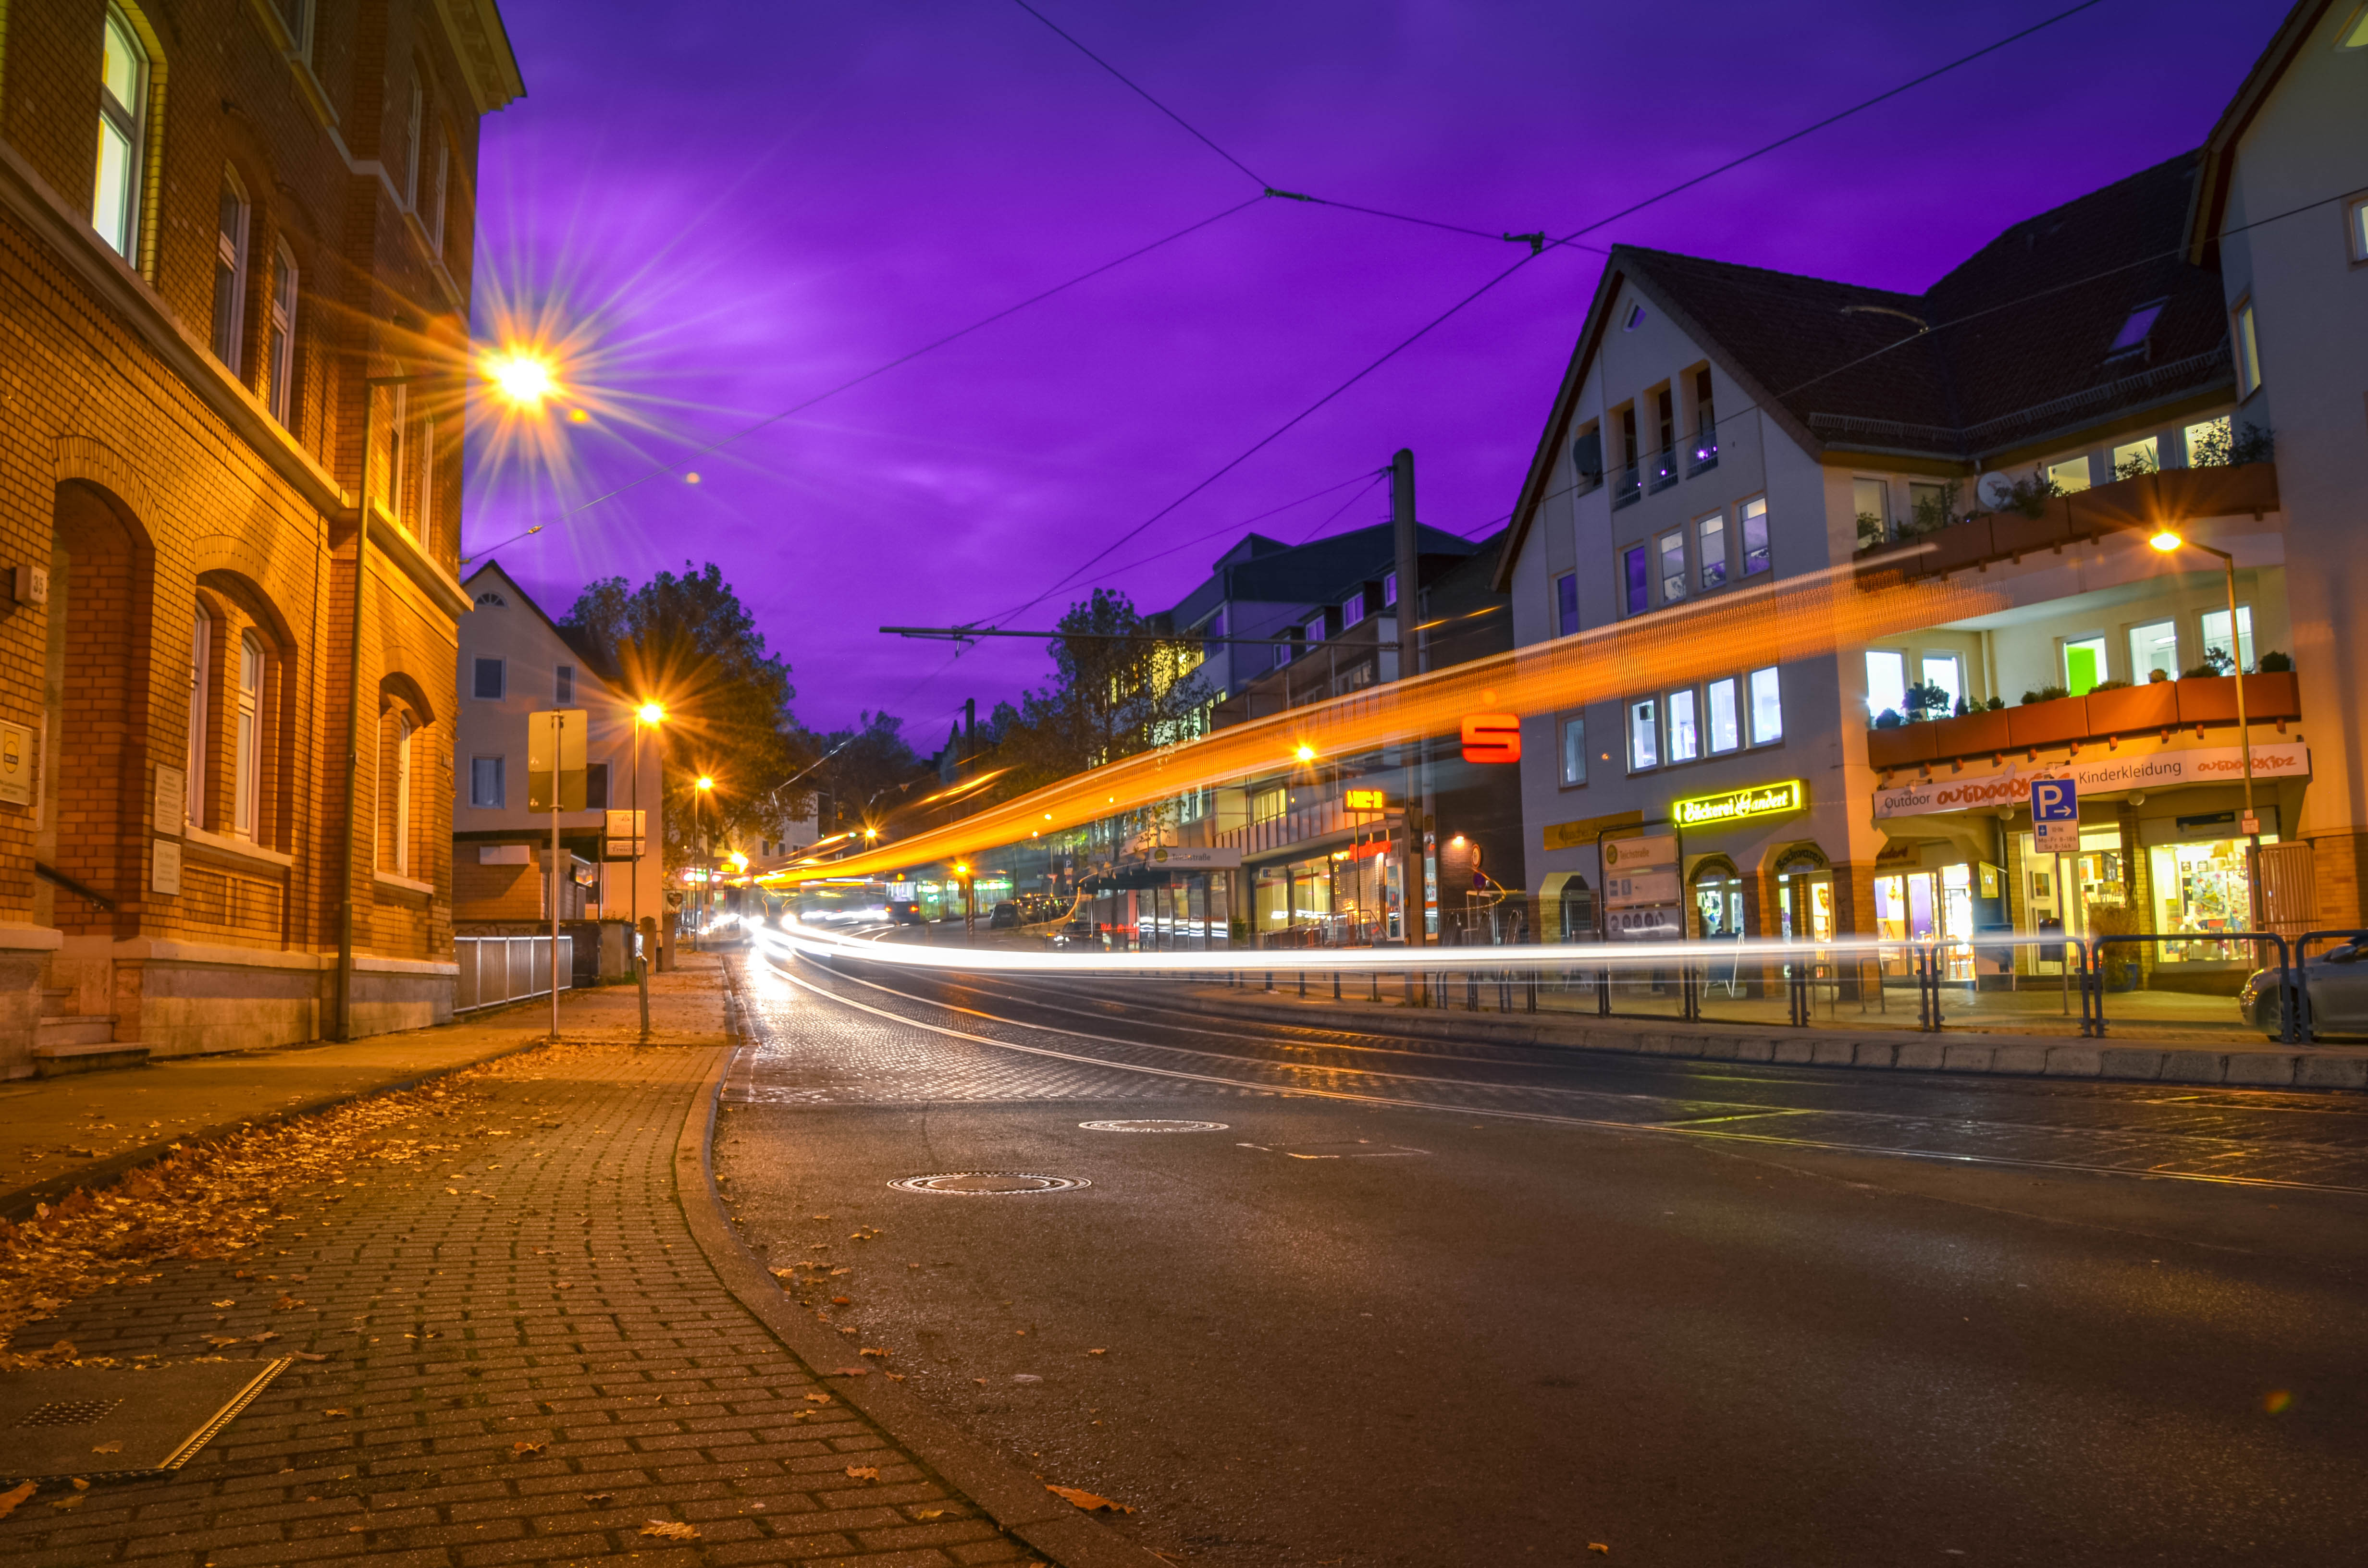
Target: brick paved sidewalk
[
  {"x": 529, "y": 1359},
  {"x": 56, "y": 1133}
]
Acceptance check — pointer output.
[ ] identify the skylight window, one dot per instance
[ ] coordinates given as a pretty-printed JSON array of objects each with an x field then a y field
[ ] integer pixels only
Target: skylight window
[
  {"x": 1635, "y": 318},
  {"x": 2132, "y": 338}
]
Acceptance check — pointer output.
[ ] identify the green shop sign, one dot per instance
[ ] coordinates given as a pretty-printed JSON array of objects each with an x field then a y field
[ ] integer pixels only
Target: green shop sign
[{"x": 1739, "y": 805}]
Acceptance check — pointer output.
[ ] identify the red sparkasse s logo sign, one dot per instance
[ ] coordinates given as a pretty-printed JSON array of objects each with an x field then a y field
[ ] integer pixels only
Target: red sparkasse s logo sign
[{"x": 1492, "y": 737}]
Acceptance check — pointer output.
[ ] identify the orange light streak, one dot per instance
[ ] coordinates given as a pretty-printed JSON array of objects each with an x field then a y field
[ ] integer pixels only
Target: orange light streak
[{"x": 1796, "y": 619}]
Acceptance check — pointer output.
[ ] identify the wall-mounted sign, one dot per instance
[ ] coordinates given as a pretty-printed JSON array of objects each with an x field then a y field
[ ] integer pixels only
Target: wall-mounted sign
[
  {"x": 2133, "y": 767},
  {"x": 1640, "y": 872},
  {"x": 15, "y": 764},
  {"x": 172, "y": 799},
  {"x": 1740, "y": 805},
  {"x": 164, "y": 869},
  {"x": 1365, "y": 800},
  {"x": 1196, "y": 858},
  {"x": 1492, "y": 737},
  {"x": 623, "y": 832}
]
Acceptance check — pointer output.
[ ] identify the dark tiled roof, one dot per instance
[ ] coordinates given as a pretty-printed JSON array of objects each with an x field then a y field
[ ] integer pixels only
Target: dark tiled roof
[{"x": 2019, "y": 335}]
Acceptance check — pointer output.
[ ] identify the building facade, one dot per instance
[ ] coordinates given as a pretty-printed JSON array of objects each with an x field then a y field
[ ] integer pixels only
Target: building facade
[
  {"x": 238, "y": 317},
  {"x": 516, "y": 661},
  {"x": 2017, "y": 432}
]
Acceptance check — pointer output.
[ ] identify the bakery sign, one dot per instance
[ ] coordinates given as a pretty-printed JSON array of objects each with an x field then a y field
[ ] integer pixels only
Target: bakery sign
[{"x": 2164, "y": 769}]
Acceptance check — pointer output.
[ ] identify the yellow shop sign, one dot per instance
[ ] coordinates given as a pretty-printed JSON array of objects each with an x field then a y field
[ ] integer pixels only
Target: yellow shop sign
[{"x": 1739, "y": 805}]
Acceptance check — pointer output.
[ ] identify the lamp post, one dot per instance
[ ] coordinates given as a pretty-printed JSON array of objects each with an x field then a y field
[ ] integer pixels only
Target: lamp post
[
  {"x": 706, "y": 870},
  {"x": 2167, "y": 540},
  {"x": 651, "y": 714}
]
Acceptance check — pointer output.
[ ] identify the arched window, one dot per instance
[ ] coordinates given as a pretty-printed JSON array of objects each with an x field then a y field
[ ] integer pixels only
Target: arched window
[
  {"x": 201, "y": 644},
  {"x": 229, "y": 272},
  {"x": 247, "y": 785},
  {"x": 122, "y": 134},
  {"x": 282, "y": 350},
  {"x": 397, "y": 731}
]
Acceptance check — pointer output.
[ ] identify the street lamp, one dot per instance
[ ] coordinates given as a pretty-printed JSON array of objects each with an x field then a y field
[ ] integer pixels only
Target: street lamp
[
  {"x": 520, "y": 387},
  {"x": 651, "y": 714},
  {"x": 2168, "y": 540}
]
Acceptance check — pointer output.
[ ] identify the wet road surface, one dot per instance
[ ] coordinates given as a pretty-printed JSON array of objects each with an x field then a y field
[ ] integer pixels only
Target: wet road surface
[{"x": 1415, "y": 1302}]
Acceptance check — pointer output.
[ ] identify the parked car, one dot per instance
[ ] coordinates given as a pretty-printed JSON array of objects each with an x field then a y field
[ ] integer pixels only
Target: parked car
[
  {"x": 1006, "y": 916},
  {"x": 2337, "y": 982}
]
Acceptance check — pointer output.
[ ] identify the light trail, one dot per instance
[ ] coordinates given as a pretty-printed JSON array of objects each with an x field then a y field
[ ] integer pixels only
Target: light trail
[{"x": 1798, "y": 618}]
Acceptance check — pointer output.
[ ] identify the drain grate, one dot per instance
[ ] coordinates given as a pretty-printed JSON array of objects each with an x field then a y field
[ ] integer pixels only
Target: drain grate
[
  {"x": 1153, "y": 1125},
  {"x": 989, "y": 1183},
  {"x": 70, "y": 1413}
]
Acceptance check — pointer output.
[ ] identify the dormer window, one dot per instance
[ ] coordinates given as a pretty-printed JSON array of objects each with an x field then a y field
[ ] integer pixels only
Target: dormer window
[{"x": 2132, "y": 338}]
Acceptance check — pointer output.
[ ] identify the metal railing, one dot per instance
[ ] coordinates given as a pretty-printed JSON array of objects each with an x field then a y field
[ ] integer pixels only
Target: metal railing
[
  {"x": 1702, "y": 452},
  {"x": 1628, "y": 488},
  {"x": 499, "y": 969},
  {"x": 1660, "y": 469},
  {"x": 2094, "y": 974}
]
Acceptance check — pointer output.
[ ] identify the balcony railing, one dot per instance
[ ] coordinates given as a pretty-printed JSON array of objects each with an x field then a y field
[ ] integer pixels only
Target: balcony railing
[
  {"x": 1702, "y": 452},
  {"x": 1661, "y": 469},
  {"x": 1627, "y": 489},
  {"x": 2161, "y": 707}
]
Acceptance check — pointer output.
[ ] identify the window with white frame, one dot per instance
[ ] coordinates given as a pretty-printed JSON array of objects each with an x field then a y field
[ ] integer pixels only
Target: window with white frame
[
  {"x": 1947, "y": 672},
  {"x": 2154, "y": 646},
  {"x": 1566, "y": 604},
  {"x": 491, "y": 681},
  {"x": 247, "y": 783},
  {"x": 423, "y": 498},
  {"x": 1887, "y": 682},
  {"x": 398, "y": 802},
  {"x": 2247, "y": 343},
  {"x": 2134, "y": 458},
  {"x": 1352, "y": 610},
  {"x": 1316, "y": 627},
  {"x": 2070, "y": 477},
  {"x": 1685, "y": 730},
  {"x": 413, "y": 131},
  {"x": 1572, "y": 752},
  {"x": 298, "y": 15},
  {"x": 1871, "y": 499},
  {"x": 1672, "y": 547},
  {"x": 2215, "y": 633},
  {"x": 281, "y": 348},
  {"x": 1643, "y": 734},
  {"x": 229, "y": 272},
  {"x": 1723, "y": 718},
  {"x": 1753, "y": 515},
  {"x": 487, "y": 785},
  {"x": 201, "y": 657},
  {"x": 1709, "y": 549},
  {"x": 2355, "y": 222},
  {"x": 436, "y": 190},
  {"x": 1767, "y": 707},
  {"x": 122, "y": 135},
  {"x": 1389, "y": 589}
]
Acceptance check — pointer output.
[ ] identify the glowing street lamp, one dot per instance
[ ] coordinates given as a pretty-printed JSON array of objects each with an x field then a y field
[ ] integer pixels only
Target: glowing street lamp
[
  {"x": 521, "y": 376},
  {"x": 2168, "y": 540},
  {"x": 703, "y": 785}
]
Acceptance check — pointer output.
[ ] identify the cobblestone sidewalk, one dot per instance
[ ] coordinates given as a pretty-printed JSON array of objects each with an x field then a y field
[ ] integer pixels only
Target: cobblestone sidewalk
[{"x": 527, "y": 1359}]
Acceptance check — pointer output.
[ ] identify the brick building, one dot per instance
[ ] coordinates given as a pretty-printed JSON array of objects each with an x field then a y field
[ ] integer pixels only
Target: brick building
[{"x": 198, "y": 289}]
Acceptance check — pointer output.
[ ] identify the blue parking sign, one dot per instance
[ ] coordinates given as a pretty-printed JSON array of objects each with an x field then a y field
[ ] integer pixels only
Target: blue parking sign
[{"x": 2055, "y": 816}]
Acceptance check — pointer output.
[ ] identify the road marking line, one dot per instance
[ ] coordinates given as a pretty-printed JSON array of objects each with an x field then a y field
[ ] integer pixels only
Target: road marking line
[{"x": 1543, "y": 1117}]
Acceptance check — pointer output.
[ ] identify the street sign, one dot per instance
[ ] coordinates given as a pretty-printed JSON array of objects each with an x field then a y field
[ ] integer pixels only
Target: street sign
[
  {"x": 623, "y": 832},
  {"x": 1365, "y": 800},
  {"x": 2055, "y": 816},
  {"x": 1492, "y": 737},
  {"x": 1641, "y": 873},
  {"x": 554, "y": 740}
]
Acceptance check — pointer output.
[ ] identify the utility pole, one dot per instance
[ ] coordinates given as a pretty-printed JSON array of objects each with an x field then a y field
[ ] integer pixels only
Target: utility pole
[{"x": 1410, "y": 612}]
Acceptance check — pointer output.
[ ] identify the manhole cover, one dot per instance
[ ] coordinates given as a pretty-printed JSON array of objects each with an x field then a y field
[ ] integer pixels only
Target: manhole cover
[
  {"x": 989, "y": 1183},
  {"x": 1153, "y": 1126}
]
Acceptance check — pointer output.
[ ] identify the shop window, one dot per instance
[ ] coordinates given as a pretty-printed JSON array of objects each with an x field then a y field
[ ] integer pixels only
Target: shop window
[
  {"x": 1718, "y": 902},
  {"x": 1685, "y": 738},
  {"x": 1804, "y": 902},
  {"x": 1724, "y": 720},
  {"x": 1644, "y": 735},
  {"x": 1767, "y": 707},
  {"x": 1947, "y": 672},
  {"x": 2201, "y": 888},
  {"x": 1577, "y": 909},
  {"x": 1572, "y": 751},
  {"x": 2084, "y": 664},
  {"x": 1566, "y": 604},
  {"x": 2154, "y": 647},
  {"x": 1710, "y": 541},
  {"x": 1756, "y": 557},
  {"x": 2216, "y": 634},
  {"x": 1887, "y": 682},
  {"x": 1672, "y": 546}
]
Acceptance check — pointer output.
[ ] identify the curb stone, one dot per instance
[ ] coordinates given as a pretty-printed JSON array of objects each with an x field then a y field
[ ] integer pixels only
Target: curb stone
[{"x": 1015, "y": 1501}]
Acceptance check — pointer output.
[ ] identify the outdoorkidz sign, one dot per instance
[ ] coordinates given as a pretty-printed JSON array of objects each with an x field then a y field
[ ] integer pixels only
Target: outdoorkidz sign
[{"x": 1740, "y": 805}]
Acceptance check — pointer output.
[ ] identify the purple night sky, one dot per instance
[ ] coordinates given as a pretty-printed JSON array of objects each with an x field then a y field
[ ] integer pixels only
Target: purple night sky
[{"x": 747, "y": 203}]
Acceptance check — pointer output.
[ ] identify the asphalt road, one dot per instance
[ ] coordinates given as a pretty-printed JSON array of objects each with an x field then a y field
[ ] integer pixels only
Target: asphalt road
[{"x": 1428, "y": 1304}]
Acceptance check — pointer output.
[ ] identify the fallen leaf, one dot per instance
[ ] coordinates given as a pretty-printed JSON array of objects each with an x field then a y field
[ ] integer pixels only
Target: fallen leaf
[
  {"x": 848, "y": 1331},
  {"x": 519, "y": 1450},
  {"x": 596, "y": 1498},
  {"x": 842, "y": 1301},
  {"x": 336, "y": 1413},
  {"x": 221, "y": 1340},
  {"x": 817, "y": 1398},
  {"x": 667, "y": 1529},
  {"x": 863, "y": 1472},
  {"x": 306, "y": 1356},
  {"x": 73, "y": 1502},
  {"x": 928, "y": 1512},
  {"x": 109, "y": 1449},
  {"x": 225, "y": 1303},
  {"x": 876, "y": 1352},
  {"x": 1087, "y": 1500},
  {"x": 1098, "y": 1352},
  {"x": 1598, "y": 1546},
  {"x": 263, "y": 1339},
  {"x": 80, "y": 1485},
  {"x": 895, "y": 1376},
  {"x": 9, "y": 1500},
  {"x": 286, "y": 1303},
  {"x": 564, "y": 1284}
]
